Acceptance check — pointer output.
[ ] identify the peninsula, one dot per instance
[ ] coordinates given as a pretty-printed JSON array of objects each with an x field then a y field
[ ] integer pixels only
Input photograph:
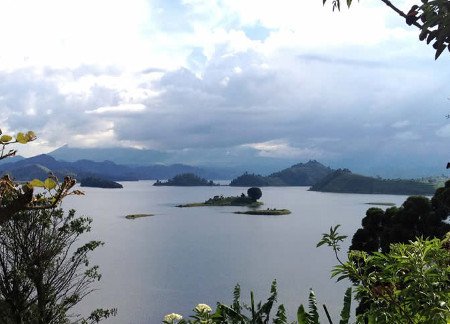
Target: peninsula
[{"x": 344, "y": 181}]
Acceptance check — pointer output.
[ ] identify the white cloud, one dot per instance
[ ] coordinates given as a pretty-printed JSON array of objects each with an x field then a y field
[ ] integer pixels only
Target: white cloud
[
  {"x": 124, "y": 108},
  {"x": 186, "y": 74},
  {"x": 282, "y": 149}
]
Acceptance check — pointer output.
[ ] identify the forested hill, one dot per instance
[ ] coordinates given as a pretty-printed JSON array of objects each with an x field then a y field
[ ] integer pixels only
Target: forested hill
[
  {"x": 302, "y": 174},
  {"x": 39, "y": 166},
  {"x": 344, "y": 181}
]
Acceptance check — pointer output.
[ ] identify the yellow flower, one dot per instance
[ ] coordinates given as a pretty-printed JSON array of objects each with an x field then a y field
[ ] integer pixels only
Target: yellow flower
[
  {"x": 172, "y": 317},
  {"x": 203, "y": 308}
]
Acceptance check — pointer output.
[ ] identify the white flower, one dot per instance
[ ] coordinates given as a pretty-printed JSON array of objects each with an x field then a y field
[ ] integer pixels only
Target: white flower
[
  {"x": 203, "y": 308},
  {"x": 172, "y": 317}
]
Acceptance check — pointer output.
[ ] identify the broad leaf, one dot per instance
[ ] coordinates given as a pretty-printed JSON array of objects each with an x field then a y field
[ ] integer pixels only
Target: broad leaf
[
  {"x": 36, "y": 183},
  {"x": 21, "y": 138},
  {"x": 49, "y": 184},
  {"x": 6, "y": 138}
]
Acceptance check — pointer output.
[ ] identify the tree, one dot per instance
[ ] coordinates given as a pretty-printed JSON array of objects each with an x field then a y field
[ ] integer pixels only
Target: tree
[
  {"x": 407, "y": 285},
  {"x": 43, "y": 274},
  {"x": 417, "y": 217},
  {"x": 15, "y": 197},
  {"x": 432, "y": 18},
  {"x": 254, "y": 193}
]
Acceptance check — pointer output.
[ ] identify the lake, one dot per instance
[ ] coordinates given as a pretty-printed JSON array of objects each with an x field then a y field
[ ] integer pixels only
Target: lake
[{"x": 180, "y": 257}]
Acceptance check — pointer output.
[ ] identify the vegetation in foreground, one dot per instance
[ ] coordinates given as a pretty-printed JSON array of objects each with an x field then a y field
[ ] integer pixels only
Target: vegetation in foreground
[
  {"x": 134, "y": 216},
  {"x": 257, "y": 313},
  {"x": 408, "y": 285},
  {"x": 43, "y": 273},
  {"x": 265, "y": 212}
]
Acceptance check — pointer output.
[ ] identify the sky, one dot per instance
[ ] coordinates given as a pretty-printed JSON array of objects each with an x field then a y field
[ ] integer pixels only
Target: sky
[{"x": 285, "y": 79}]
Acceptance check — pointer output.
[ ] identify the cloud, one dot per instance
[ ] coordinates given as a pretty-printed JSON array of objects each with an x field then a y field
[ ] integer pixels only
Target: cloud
[
  {"x": 120, "y": 109},
  {"x": 191, "y": 76},
  {"x": 282, "y": 149},
  {"x": 401, "y": 124}
]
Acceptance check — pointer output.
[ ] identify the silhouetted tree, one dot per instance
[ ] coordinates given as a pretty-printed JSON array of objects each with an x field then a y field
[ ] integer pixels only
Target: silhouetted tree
[
  {"x": 254, "y": 193},
  {"x": 417, "y": 217}
]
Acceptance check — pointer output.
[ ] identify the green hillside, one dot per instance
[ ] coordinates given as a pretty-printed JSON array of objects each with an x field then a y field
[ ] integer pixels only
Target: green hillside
[
  {"x": 302, "y": 174},
  {"x": 344, "y": 181}
]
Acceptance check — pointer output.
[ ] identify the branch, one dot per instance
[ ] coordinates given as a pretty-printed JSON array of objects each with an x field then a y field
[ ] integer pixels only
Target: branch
[{"x": 401, "y": 13}]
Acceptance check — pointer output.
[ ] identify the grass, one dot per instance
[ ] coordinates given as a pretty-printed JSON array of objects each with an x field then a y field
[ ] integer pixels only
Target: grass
[
  {"x": 265, "y": 212},
  {"x": 134, "y": 216},
  {"x": 381, "y": 203}
]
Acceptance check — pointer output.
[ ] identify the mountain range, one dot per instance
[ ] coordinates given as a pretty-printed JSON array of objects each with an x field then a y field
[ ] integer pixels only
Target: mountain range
[
  {"x": 312, "y": 173},
  {"x": 39, "y": 166}
]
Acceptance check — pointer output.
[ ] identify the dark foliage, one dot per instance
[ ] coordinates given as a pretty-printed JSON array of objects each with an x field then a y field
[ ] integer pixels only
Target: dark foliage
[
  {"x": 254, "y": 193},
  {"x": 185, "y": 179},
  {"x": 417, "y": 217},
  {"x": 99, "y": 183}
]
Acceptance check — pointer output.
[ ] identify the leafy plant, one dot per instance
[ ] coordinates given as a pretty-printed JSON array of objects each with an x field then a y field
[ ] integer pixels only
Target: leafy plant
[
  {"x": 409, "y": 284},
  {"x": 312, "y": 316},
  {"x": 43, "y": 272},
  {"x": 16, "y": 197}
]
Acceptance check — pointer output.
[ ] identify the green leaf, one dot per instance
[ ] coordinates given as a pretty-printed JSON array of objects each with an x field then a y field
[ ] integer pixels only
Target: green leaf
[
  {"x": 30, "y": 136},
  {"x": 345, "y": 313},
  {"x": 21, "y": 138},
  {"x": 313, "y": 312},
  {"x": 49, "y": 184},
  {"x": 5, "y": 138},
  {"x": 349, "y": 2},
  {"x": 36, "y": 183},
  {"x": 302, "y": 316}
]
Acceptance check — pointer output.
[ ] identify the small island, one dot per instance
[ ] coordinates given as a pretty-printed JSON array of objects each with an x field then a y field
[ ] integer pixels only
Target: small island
[
  {"x": 185, "y": 179},
  {"x": 265, "y": 212},
  {"x": 99, "y": 183},
  {"x": 381, "y": 203},
  {"x": 134, "y": 216},
  {"x": 251, "y": 200}
]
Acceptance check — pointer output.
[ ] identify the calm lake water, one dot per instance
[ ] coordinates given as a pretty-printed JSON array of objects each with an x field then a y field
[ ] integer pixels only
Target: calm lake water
[{"x": 184, "y": 256}]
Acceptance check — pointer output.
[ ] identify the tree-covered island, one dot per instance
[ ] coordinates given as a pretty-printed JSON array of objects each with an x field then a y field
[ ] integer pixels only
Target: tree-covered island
[
  {"x": 185, "y": 179},
  {"x": 99, "y": 183},
  {"x": 249, "y": 200}
]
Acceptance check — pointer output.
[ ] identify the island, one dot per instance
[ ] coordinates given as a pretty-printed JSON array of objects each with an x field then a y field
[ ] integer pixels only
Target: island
[
  {"x": 99, "y": 183},
  {"x": 134, "y": 216},
  {"x": 265, "y": 212},
  {"x": 249, "y": 200},
  {"x": 185, "y": 179}
]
